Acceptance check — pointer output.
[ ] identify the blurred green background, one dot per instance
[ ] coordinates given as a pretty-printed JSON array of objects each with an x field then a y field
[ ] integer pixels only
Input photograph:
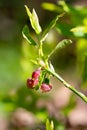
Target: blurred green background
[{"x": 23, "y": 109}]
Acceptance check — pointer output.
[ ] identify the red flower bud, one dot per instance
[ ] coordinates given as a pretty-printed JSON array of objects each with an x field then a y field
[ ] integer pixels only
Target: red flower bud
[
  {"x": 36, "y": 74},
  {"x": 46, "y": 87},
  {"x": 32, "y": 83},
  {"x": 35, "y": 82}
]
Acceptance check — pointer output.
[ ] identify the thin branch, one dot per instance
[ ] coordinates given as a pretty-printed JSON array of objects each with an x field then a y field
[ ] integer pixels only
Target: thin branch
[{"x": 81, "y": 95}]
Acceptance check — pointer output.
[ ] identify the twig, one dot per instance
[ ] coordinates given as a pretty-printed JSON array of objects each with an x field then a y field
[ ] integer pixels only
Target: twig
[{"x": 81, "y": 95}]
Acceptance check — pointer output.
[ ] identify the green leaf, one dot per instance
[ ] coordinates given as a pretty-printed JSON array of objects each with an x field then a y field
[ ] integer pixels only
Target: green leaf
[
  {"x": 60, "y": 45},
  {"x": 79, "y": 31},
  {"x": 34, "y": 20},
  {"x": 28, "y": 11},
  {"x": 49, "y": 126},
  {"x": 63, "y": 44},
  {"x": 76, "y": 14},
  {"x": 64, "y": 5},
  {"x": 51, "y": 7},
  {"x": 26, "y": 35},
  {"x": 51, "y": 25}
]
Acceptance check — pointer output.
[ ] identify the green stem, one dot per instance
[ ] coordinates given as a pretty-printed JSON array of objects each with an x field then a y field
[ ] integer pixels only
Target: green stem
[
  {"x": 40, "y": 50},
  {"x": 84, "y": 98}
]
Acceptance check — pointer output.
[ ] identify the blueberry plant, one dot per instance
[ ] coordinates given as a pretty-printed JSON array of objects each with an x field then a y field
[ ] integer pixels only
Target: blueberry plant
[
  {"x": 75, "y": 28},
  {"x": 40, "y": 78}
]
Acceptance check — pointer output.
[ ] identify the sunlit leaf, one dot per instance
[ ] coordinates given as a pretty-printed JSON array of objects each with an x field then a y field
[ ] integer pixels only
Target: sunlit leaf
[
  {"x": 28, "y": 11},
  {"x": 79, "y": 31},
  {"x": 26, "y": 35},
  {"x": 63, "y": 44},
  {"x": 51, "y": 7},
  {"x": 34, "y": 20},
  {"x": 68, "y": 8},
  {"x": 49, "y": 126},
  {"x": 77, "y": 13},
  {"x": 64, "y": 5},
  {"x": 51, "y": 25},
  {"x": 60, "y": 45}
]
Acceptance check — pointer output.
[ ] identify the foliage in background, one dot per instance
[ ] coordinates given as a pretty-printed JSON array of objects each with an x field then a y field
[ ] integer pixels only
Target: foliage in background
[
  {"x": 49, "y": 125},
  {"x": 20, "y": 67},
  {"x": 42, "y": 60},
  {"x": 75, "y": 28}
]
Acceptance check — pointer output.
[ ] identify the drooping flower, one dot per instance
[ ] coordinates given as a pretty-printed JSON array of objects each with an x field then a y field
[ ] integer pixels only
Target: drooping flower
[
  {"x": 36, "y": 74},
  {"x": 46, "y": 87},
  {"x": 31, "y": 83}
]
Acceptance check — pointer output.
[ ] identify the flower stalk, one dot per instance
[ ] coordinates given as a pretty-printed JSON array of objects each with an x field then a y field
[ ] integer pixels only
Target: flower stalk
[{"x": 81, "y": 95}]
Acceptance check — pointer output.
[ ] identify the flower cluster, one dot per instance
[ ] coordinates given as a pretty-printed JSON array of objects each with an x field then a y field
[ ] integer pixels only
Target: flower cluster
[{"x": 34, "y": 82}]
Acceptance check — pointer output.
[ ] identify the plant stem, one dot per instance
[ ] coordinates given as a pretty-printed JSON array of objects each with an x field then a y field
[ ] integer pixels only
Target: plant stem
[
  {"x": 40, "y": 50},
  {"x": 81, "y": 95}
]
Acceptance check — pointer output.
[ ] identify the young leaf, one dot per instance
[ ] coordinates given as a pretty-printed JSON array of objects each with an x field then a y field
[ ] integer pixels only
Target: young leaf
[
  {"x": 34, "y": 20},
  {"x": 60, "y": 45},
  {"x": 28, "y": 11},
  {"x": 49, "y": 126},
  {"x": 63, "y": 43},
  {"x": 26, "y": 35},
  {"x": 51, "y": 7},
  {"x": 51, "y": 25},
  {"x": 79, "y": 31}
]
